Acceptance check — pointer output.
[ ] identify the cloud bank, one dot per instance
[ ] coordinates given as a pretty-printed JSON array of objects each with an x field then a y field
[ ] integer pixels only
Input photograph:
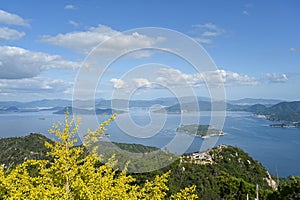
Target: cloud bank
[
  {"x": 169, "y": 77},
  {"x": 10, "y": 34},
  {"x": 12, "y": 19},
  {"x": 84, "y": 41},
  {"x": 18, "y": 63}
]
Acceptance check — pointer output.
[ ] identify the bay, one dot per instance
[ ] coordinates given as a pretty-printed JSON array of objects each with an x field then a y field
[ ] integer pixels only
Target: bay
[{"x": 276, "y": 148}]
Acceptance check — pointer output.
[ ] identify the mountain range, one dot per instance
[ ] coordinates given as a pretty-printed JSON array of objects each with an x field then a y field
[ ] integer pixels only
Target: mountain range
[
  {"x": 272, "y": 109},
  {"x": 103, "y": 103}
]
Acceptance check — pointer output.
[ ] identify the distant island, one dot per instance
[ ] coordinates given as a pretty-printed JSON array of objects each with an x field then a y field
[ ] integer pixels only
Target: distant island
[
  {"x": 280, "y": 112},
  {"x": 98, "y": 111},
  {"x": 280, "y": 125},
  {"x": 203, "y": 131},
  {"x": 285, "y": 125},
  {"x": 284, "y": 111}
]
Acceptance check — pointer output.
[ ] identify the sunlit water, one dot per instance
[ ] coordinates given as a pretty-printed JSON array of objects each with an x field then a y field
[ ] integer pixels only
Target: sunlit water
[{"x": 276, "y": 148}]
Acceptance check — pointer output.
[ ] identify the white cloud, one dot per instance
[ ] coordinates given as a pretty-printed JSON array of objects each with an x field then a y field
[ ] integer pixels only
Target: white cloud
[
  {"x": 18, "y": 63},
  {"x": 118, "y": 83},
  {"x": 210, "y": 34},
  {"x": 73, "y": 23},
  {"x": 277, "y": 78},
  {"x": 70, "y": 7},
  {"x": 209, "y": 26},
  {"x": 13, "y": 19},
  {"x": 292, "y": 49},
  {"x": 233, "y": 78},
  {"x": 34, "y": 86},
  {"x": 170, "y": 77},
  {"x": 85, "y": 41},
  {"x": 10, "y": 34},
  {"x": 173, "y": 77},
  {"x": 142, "y": 82},
  {"x": 204, "y": 32}
]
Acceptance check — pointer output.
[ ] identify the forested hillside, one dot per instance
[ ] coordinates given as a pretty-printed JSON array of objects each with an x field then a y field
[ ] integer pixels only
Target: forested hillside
[
  {"x": 224, "y": 172},
  {"x": 285, "y": 111},
  {"x": 14, "y": 151}
]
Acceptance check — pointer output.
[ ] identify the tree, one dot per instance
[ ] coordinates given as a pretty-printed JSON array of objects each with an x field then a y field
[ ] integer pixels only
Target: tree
[
  {"x": 288, "y": 190},
  {"x": 71, "y": 174}
]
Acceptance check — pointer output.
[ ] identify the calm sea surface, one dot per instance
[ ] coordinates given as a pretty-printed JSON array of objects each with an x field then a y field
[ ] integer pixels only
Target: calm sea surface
[{"x": 276, "y": 148}]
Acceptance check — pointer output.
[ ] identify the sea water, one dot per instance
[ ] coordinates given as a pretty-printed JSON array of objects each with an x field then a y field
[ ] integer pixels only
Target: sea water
[{"x": 276, "y": 148}]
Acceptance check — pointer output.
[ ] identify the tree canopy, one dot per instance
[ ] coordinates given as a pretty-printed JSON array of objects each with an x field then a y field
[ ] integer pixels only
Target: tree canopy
[{"x": 73, "y": 174}]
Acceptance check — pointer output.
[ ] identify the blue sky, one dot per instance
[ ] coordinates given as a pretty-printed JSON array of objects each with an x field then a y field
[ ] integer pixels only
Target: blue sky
[{"x": 254, "y": 44}]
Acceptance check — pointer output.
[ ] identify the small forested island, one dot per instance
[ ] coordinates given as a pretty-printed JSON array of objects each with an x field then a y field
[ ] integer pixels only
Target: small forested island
[
  {"x": 203, "y": 131},
  {"x": 98, "y": 111},
  {"x": 282, "y": 125}
]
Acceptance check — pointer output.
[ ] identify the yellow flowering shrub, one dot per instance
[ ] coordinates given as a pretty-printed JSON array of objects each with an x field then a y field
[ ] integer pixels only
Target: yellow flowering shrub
[{"x": 70, "y": 175}]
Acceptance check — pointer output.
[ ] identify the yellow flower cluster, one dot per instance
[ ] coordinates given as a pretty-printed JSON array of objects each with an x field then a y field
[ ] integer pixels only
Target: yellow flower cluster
[{"x": 71, "y": 175}]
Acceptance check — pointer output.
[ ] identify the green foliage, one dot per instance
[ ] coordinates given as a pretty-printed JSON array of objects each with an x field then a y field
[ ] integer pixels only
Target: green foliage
[
  {"x": 287, "y": 190},
  {"x": 135, "y": 148},
  {"x": 285, "y": 111},
  {"x": 14, "y": 151},
  {"x": 141, "y": 159},
  {"x": 232, "y": 175},
  {"x": 199, "y": 130},
  {"x": 237, "y": 163},
  {"x": 70, "y": 175}
]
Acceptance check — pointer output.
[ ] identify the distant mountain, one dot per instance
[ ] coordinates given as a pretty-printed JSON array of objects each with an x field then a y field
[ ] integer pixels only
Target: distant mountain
[
  {"x": 256, "y": 108},
  {"x": 48, "y": 103},
  {"x": 36, "y": 104},
  {"x": 188, "y": 107},
  {"x": 106, "y": 111},
  {"x": 6, "y": 104},
  {"x": 252, "y": 101},
  {"x": 284, "y": 111},
  {"x": 202, "y": 106},
  {"x": 122, "y": 104},
  {"x": 16, "y": 109},
  {"x": 12, "y": 109}
]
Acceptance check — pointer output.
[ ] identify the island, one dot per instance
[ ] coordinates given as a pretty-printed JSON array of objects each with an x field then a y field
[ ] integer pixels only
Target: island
[
  {"x": 199, "y": 130},
  {"x": 280, "y": 125},
  {"x": 98, "y": 111}
]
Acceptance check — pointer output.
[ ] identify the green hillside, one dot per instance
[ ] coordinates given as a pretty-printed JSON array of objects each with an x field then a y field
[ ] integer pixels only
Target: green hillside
[
  {"x": 14, "y": 151},
  {"x": 224, "y": 172},
  {"x": 285, "y": 111}
]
